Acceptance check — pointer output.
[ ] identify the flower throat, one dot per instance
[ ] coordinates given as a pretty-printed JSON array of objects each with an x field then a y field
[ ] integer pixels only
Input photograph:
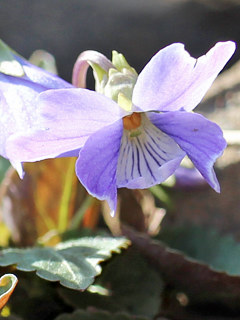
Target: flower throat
[{"x": 132, "y": 123}]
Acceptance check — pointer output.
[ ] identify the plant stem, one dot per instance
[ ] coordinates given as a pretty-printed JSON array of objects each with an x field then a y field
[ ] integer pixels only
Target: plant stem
[
  {"x": 66, "y": 196},
  {"x": 76, "y": 220}
]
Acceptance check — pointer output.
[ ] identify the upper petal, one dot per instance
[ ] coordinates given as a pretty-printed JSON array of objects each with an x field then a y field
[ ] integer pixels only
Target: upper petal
[
  {"x": 67, "y": 117},
  {"x": 147, "y": 159},
  {"x": 200, "y": 138},
  {"x": 97, "y": 163},
  {"x": 173, "y": 80}
]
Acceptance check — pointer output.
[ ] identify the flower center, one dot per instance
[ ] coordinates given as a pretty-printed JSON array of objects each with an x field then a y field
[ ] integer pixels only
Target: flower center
[{"x": 132, "y": 122}]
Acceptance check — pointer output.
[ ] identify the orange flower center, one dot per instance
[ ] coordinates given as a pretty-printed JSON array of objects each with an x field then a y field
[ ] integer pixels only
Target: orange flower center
[{"x": 132, "y": 122}]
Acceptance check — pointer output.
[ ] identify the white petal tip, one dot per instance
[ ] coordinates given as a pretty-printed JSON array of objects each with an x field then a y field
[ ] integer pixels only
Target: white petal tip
[
  {"x": 112, "y": 213},
  {"x": 19, "y": 168}
]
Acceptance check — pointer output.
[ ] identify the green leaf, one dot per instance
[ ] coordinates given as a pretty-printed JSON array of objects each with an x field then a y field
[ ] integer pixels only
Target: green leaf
[
  {"x": 135, "y": 286},
  {"x": 4, "y": 165},
  {"x": 41, "y": 297},
  {"x": 11, "y": 317},
  {"x": 220, "y": 253},
  {"x": 8, "y": 64},
  {"x": 97, "y": 315},
  {"x": 74, "y": 263},
  {"x": 127, "y": 284},
  {"x": 195, "y": 261},
  {"x": 8, "y": 283}
]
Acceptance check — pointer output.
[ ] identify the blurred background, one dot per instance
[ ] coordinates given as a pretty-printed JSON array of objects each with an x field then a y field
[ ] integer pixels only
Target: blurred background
[{"x": 137, "y": 28}]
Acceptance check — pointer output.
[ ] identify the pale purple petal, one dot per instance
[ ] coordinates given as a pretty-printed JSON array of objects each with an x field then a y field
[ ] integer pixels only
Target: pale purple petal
[
  {"x": 18, "y": 102},
  {"x": 42, "y": 77},
  {"x": 97, "y": 163},
  {"x": 200, "y": 138},
  {"x": 17, "y": 107},
  {"x": 173, "y": 80},
  {"x": 67, "y": 118},
  {"x": 72, "y": 153},
  {"x": 147, "y": 159}
]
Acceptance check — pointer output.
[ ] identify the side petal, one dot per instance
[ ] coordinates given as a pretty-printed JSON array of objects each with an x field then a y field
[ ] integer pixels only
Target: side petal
[
  {"x": 18, "y": 97},
  {"x": 148, "y": 158},
  {"x": 66, "y": 118},
  {"x": 39, "y": 76},
  {"x": 200, "y": 138},
  {"x": 97, "y": 163},
  {"x": 17, "y": 107},
  {"x": 173, "y": 80}
]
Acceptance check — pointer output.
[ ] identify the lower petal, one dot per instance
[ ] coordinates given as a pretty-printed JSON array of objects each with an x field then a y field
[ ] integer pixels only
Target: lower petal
[
  {"x": 148, "y": 158},
  {"x": 97, "y": 163},
  {"x": 200, "y": 138}
]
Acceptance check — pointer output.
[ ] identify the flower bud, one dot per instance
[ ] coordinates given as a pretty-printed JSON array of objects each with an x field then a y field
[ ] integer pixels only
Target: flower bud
[{"x": 118, "y": 83}]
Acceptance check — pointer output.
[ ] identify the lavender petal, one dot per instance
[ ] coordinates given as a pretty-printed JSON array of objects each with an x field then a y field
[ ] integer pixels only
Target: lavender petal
[
  {"x": 39, "y": 76},
  {"x": 97, "y": 163},
  {"x": 147, "y": 159},
  {"x": 200, "y": 138},
  {"x": 66, "y": 119},
  {"x": 173, "y": 80}
]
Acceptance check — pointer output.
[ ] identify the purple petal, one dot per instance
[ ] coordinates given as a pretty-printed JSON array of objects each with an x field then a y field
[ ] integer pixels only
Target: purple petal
[
  {"x": 67, "y": 118},
  {"x": 39, "y": 76},
  {"x": 18, "y": 103},
  {"x": 173, "y": 80},
  {"x": 200, "y": 138},
  {"x": 97, "y": 163},
  {"x": 147, "y": 159},
  {"x": 17, "y": 107}
]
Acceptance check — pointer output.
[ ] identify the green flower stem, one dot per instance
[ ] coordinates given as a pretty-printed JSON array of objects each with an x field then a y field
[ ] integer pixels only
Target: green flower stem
[
  {"x": 76, "y": 220},
  {"x": 161, "y": 195},
  {"x": 49, "y": 222},
  {"x": 66, "y": 196}
]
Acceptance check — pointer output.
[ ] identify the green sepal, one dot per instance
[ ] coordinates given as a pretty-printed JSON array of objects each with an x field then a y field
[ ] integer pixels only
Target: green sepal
[
  {"x": 99, "y": 72},
  {"x": 120, "y": 62},
  {"x": 124, "y": 102},
  {"x": 8, "y": 64},
  {"x": 44, "y": 60}
]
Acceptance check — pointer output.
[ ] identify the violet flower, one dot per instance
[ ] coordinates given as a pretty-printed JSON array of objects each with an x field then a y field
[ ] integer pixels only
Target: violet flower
[
  {"x": 20, "y": 85},
  {"x": 135, "y": 131}
]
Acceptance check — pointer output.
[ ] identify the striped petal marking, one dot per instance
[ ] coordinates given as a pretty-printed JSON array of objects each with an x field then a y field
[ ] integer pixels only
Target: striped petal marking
[{"x": 147, "y": 155}]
